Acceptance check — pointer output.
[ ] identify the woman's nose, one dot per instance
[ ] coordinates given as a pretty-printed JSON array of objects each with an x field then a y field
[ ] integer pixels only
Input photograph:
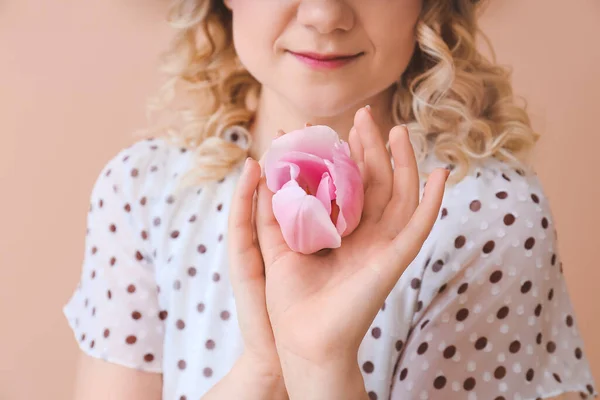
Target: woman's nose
[{"x": 326, "y": 16}]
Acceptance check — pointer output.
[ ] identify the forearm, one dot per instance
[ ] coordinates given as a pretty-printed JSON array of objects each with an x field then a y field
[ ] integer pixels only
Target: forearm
[
  {"x": 246, "y": 382},
  {"x": 336, "y": 380}
]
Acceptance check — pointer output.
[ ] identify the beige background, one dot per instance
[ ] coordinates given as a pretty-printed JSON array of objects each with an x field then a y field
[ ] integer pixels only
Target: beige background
[{"x": 73, "y": 80}]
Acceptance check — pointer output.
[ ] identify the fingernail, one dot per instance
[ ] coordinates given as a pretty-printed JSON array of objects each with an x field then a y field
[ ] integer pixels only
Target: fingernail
[
  {"x": 247, "y": 162},
  {"x": 368, "y": 108}
]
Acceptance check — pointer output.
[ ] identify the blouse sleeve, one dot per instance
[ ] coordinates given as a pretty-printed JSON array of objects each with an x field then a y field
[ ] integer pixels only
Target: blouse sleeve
[
  {"x": 495, "y": 321},
  {"x": 114, "y": 312}
]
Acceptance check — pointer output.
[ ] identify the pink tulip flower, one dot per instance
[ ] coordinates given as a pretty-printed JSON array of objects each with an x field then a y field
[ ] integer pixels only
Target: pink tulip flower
[{"x": 318, "y": 188}]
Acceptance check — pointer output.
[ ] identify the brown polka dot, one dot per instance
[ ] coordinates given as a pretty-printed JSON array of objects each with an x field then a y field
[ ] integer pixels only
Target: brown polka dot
[
  {"x": 207, "y": 372},
  {"x": 177, "y": 284},
  {"x": 112, "y": 228},
  {"x": 399, "y": 345},
  {"x": 506, "y": 177},
  {"x": 403, "y": 374},
  {"x": 225, "y": 315},
  {"x": 100, "y": 203},
  {"x": 463, "y": 288},
  {"x": 538, "y": 338},
  {"x": 163, "y": 315},
  {"x": 496, "y": 276},
  {"x": 553, "y": 259},
  {"x": 529, "y": 375},
  {"x": 437, "y": 266},
  {"x": 502, "y": 195},
  {"x": 82, "y": 338},
  {"x": 191, "y": 271},
  {"x": 113, "y": 261},
  {"x": 131, "y": 288},
  {"x": 216, "y": 277},
  {"x": 424, "y": 324},
  {"x": 86, "y": 302},
  {"x": 460, "y": 241},
  {"x": 192, "y": 218},
  {"x": 415, "y": 283},
  {"x": 143, "y": 201},
  {"x": 93, "y": 274},
  {"x": 551, "y": 294},
  {"x": 210, "y": 344},
  {"x": 499, "y": 372},
  {"x": 538, "y": 310},
  {"x": 174, "y": 234},
  {"x": 535, "y": 198},
  {"x": 439, "y": 382},
  {"x": 108, "y": 171},
  {"x": 219, "y": 207},
  {"x": 551, "y": 347},
  {"x": 489, "y": 247},
  {"x": 200, "y": 307},
  {"x": 503, "y": 398},
  {"x": 201, "y": 249},
  {"x": 422, "y": 348},
  {"x": 383, "y": 306},
  {"x": 170, "y": 199},
  {"x": 94, "y": 250},
  {"x": 136, "y": 315},
  {"x": 469, "y": 384},
  {"x": 462, "y": 314},
  {"x": 556, "y": 377},
  {"x": 475, "y": 205},
  {"x": 109, "y": 294},
  {"x": 134, "y": 172},
  {"x": 444, "y": 213},
  {"x": 144, "y": 235},
  {"x": 502, "y": 312},
  {"x": 578, "y": 353},
  {"x": 181, "y": 364},
  {"x": 481, "y": 343},
  {"x": 156, "y": 221},
  {"x": 368, "y": 367},
  {"x": 442, "y": 288},
  {"x": 376, "y": 332},
  {"x": 418, "y": 306},
  {"x": 590, "y": 388},
  {"x": 220, "y": 238},
  {"x": 92, "y": 344},
  {"x": 372, "y": 396},
  {"x": 514, "y": 346},
  {"x": 529, "y": 243},
  {"x": 139, "y": 256},
  {"x": 545, "y": 223},
  {"x": 449, "y": 352},
  {"x": 149, "y": 357},
  {"x": 127, "y": 207},
  {"x": 509, "y": 219},
  {"x": 180, "y": 324},
  {"x": 131, "y": 339},
  {"x": 526, "y": 287}
]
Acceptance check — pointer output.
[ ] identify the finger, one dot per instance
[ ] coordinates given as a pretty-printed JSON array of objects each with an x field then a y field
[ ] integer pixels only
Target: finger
[
  {"x": 270, "y": 238},
  {"x": 357, "y": 151},
  {"x": 240, "y": 231},
  {"x": 246, "y": 267},
  {"x": 377, "y": 279},
  {"x": 378, "y": 168},
  {"x": 405, "y": 191},
  {"x": 409, "y": 241},
  {"x": 261, "y": 162}
]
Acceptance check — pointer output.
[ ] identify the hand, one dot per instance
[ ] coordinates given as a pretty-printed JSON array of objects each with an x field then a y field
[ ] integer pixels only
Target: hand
[
  {"x": 246, "y": 270},
  {"x": 321, "y": 305}
]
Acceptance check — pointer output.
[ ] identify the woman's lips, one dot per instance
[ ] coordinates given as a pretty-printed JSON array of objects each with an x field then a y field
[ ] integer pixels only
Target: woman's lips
[{"x": 325, "y": 61}]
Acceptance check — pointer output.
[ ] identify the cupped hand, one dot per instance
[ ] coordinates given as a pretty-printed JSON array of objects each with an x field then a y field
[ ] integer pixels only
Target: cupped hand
[{"x": 321, "y": 305}]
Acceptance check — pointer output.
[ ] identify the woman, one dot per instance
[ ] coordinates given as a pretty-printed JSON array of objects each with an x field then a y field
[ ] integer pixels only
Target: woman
[{"x": 183, "y": 303}]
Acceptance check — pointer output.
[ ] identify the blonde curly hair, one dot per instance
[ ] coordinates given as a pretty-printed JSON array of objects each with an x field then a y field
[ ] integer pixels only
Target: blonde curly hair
[{"x": 456, "y": 103}]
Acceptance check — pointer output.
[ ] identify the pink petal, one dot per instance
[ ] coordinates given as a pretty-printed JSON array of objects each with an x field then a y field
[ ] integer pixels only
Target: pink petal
[
  {"x": 317, "y": 140},
  {"x": 306, "y": 169},
  {"x": 349, "y": 189},
  {"x": 305, "y": 223},
  {"x": 326, "y": 191}
]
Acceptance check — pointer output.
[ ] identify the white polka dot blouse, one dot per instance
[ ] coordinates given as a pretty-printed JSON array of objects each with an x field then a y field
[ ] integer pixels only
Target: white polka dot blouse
[{"x": 483, "y": 312}]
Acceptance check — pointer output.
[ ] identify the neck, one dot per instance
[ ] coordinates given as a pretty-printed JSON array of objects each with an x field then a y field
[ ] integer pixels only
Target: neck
[{"x": 274, "y": 114}]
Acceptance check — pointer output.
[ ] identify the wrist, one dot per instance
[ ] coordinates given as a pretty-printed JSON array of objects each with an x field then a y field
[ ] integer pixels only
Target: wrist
[
  {"x": 334, "y": 379},
  {"x": 265, "y": 374}
]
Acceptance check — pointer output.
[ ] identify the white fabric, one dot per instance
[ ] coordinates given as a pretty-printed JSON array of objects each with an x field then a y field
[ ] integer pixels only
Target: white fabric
[{"x": 155, "y": 293}]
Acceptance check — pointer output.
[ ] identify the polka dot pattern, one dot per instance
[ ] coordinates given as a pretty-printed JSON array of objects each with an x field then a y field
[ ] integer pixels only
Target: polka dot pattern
[
  {"x": 482, "y": 312},
  {"x": 503, "y": 327}
]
